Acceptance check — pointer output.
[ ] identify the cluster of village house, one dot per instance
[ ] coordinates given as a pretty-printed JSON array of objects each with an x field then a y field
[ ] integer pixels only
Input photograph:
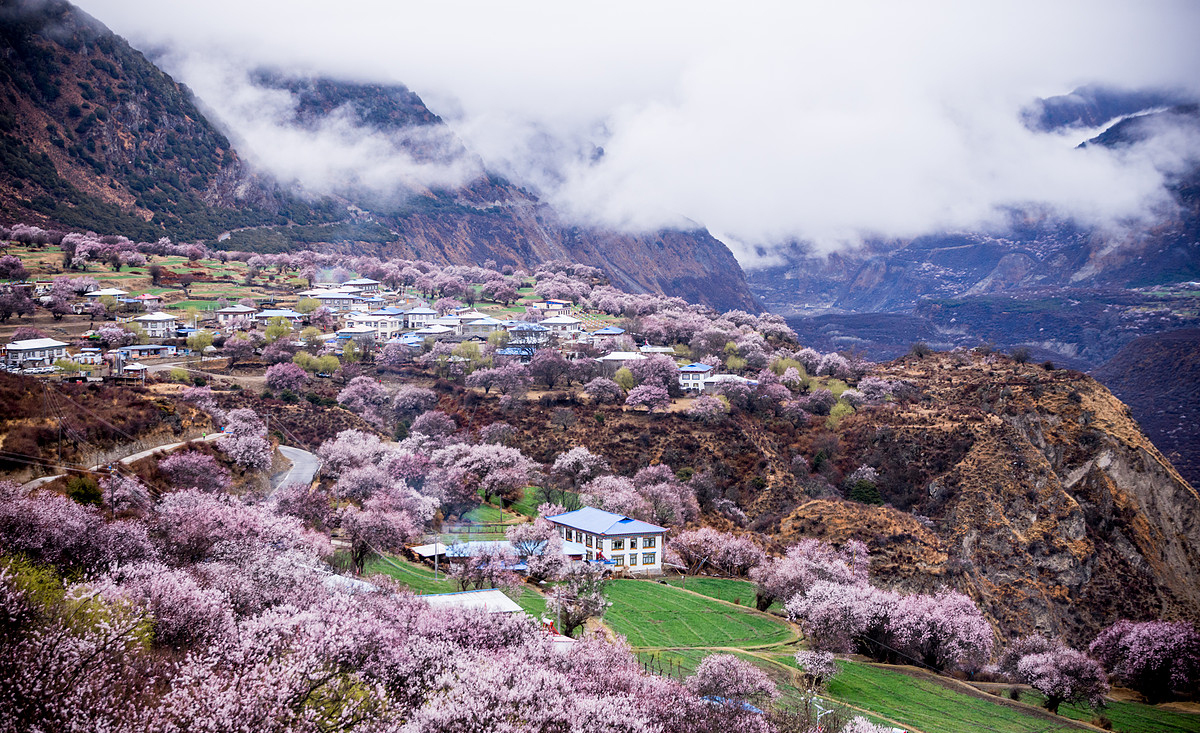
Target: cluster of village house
[{"x": 363, "y": 309}]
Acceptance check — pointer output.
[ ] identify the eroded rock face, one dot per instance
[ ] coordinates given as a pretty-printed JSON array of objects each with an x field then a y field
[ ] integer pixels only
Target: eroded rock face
[{"x": 1049, "y": 505}]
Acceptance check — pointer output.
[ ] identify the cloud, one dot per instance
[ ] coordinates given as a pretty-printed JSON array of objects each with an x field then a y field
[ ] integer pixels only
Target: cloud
[
  {"x": 336, "y": 153},
  {"x": 767, "y": 122}
]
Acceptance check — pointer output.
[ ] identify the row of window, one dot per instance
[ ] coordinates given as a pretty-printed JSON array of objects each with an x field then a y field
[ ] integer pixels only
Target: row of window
[
  {"x": 647, "y": 559},
  {"x": 618, "y": 543}
]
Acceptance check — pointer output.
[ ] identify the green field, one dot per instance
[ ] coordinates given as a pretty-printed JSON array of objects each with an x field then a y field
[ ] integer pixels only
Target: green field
[
  {"x": 650, "y": 614},
  {"x": 740, "y": 592},
  {"x": 930, "y": 706},
  {"x": 1129, "y": 717}
]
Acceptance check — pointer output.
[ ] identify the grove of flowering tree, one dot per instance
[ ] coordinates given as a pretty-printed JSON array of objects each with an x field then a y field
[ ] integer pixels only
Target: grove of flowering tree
[
  {"x": 805, "y": 563},
  {"x": 245, "y": 440},
  {"x": 1156, "y": 658},
  {"x": 195, "y": 470}
]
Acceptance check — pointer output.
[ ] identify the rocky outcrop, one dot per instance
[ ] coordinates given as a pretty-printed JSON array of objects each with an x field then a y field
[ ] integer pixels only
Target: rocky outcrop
[{"x": 1052, "y": 507}]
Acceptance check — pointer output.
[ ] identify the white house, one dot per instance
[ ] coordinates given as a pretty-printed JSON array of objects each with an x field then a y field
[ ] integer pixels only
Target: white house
[
  {"x": 628, "y": 544},
  {"x": 384, "y": 327},
  {"x": 88, "y": 357},
  {"x": 419, "y": 317},
  {"x": 691, "y": 377},
  {"x": 264, "y": 317},
  {"x": 158, "y": 325},
  {"x": 713, "y": 383},
  {"x": 563, "y": 325},
  {"x": 618, "y": 359},
  {"x": 648, "y": 349},
  {"x": 230, "y": 313},
  {"x": 482, "y": 326},
  {"x": 340, "y": 301},
  {"x": 365, "y": 284},
  {"x": 34, "y": 352},
  {"x": 110, "y": 292},
  {"x": 435, "y": 331},
  {"x": 549, "y": 308},
  {"x": 488, "y": 600}
]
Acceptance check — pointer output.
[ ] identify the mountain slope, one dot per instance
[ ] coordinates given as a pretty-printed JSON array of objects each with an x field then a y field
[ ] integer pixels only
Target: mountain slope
[{"x": 95, "y": 136}]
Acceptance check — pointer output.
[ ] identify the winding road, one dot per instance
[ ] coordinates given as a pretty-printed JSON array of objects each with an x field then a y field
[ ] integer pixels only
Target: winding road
[{"x": 304, "y": 467}]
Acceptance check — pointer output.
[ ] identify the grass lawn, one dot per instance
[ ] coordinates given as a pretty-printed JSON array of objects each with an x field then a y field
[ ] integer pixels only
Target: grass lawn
[
  {"x": 929, "y": 706},
  {"x": 420, "y": 580},
  {"x": 725, "y": 589},
  {"x": 416, "y": 577},
  {"x": 1129, "y": 717},
  {"x": 650, "y": 614}
]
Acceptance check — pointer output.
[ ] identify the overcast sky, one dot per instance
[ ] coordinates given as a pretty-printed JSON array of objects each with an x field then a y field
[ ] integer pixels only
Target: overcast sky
[{"x": 766, "y": 122}]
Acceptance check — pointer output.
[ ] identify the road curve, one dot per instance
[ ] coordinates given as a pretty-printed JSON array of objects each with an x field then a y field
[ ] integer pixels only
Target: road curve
[{"x": 304, "y": 467}]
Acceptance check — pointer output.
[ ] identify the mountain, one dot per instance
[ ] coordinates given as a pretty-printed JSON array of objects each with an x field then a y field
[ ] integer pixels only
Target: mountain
[
  {"x": 1069, "y": 292},
  {"x": 1158, "y": 376},
  {"x": 95, "y": 136},
  {"x": 1095, "y": 105}
]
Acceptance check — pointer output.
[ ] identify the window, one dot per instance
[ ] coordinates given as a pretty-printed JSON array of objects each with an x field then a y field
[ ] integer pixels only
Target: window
[
  {"x": 647, "y": 558},
  {"x": 633, "y": 558},
  {"x": 588, "y": 540},
  {"x": 590, "y": 557},
  {"x": 649, "y": 541},
  {"x": 633, "y": 543},
  {"x": 618, "y": 544},
  {"x": 619, "y": 560}
]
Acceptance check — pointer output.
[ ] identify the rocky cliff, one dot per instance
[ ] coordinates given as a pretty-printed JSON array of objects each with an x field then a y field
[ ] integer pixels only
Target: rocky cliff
[{"x": 1048, "y": 503}]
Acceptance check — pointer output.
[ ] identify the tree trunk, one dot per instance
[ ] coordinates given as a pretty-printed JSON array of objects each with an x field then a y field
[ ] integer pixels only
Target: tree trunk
[{"x": 762, "y": 602}]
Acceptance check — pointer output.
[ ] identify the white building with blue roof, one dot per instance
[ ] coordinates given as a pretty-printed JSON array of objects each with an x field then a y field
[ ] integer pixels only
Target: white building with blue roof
[
  {"x": 691, "y": 376},
  {"x": 629, "y": 544}
]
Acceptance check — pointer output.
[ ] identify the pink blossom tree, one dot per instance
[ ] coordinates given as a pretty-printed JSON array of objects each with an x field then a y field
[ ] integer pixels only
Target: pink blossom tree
[
  {"x": 367, "y": 398},
  {"x": 653, "y": 398},
  {"x": 1153, "y": 657},
  {"x": 708, "y": 410},
  {"x": 195, "y": 470},
  {"x": 310, "y": 505},
  {"x": 120, "y": 493},
  {"x": 411, "y": 401},
  {"x": 1064, "y": 675},
  {"x": 658, "y": 370},
  {"x": 245, "y": 440},
  {"x": 576, "y": 467},
  {"x": 604, "y": 390},
  {"x": 548, "y": 366},
  {"x": 805, "y": 563},
  {"x": 730, "y": 678},
  {"x": 579, "y": 597},
  {"x": 377, "y": 527},
  {"x": 944, "y": 630},
  {"x": 286, "y": 376},
  {"x": 435, "y": 424},
  {"x": 818, "y": 668},
  {"x": 728, "y": 554}
]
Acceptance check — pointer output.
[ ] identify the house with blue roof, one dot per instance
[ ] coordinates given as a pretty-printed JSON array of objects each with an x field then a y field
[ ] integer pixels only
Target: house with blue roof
[
  {"x": 691, "y": 376},
  {"x": 628, "y": 544},
  {"x": 608, "y": 331}
]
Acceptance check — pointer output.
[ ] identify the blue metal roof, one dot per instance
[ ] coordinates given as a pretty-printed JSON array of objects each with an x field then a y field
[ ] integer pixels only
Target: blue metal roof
[
  {"x": 597, "y": 521},
  {"x": 696, "y": 367},
  {"x": 609, "y": 331},
  {"x": 523, "y": 326}
]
